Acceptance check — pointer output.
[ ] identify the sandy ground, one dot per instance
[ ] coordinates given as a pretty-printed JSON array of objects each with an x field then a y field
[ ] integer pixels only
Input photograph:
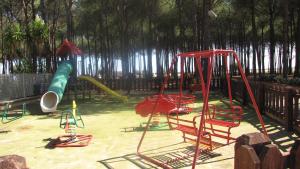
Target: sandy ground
[{"x": 111, "y": 146}]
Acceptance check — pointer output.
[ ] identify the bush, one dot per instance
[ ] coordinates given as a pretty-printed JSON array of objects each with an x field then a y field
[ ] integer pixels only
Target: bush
[
  {"x": 279, "y": 79},
  {"x": 13, "y": 36},
  {"x": 38, "y": 29}
]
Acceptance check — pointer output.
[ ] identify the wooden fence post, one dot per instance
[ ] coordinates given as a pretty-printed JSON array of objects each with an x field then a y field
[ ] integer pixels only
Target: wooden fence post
[
  {"x": 245, "y": 95},
  {"x": 271, "y": 158},
  {"x": 256, "y": 140},
  {"x": 246, "y": 149},
  {"x": 246, "y": 158},
  {"x": 261, "y": 100},
  {"x": 289, "y": 109},
  {"x": 255, "y": 151},
  {"x": 295, "y": 155}
]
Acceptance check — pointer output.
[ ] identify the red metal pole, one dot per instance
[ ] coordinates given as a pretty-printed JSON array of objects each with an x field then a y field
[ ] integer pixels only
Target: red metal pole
[
  {"x": 199, "y": 66},
  {"x": 182, "y": 60},
  {"x": 250, "y": 93},
  {"x": 228, "y": 80},
  {"x": 154, "y": 107},
  {"x": 204, "y": 109}
]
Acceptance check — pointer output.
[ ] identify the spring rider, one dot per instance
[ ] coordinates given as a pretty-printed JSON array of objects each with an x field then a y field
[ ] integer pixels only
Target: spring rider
[{"x": 69, "y": 121}]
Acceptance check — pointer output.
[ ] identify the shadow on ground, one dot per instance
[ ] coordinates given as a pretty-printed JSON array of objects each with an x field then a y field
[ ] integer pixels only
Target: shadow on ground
[
  {"x": 107, "y": 105},
  {"x": 277, "y": 133},
  {"x": 96, "y": 106},
  {"x": 167, "y": 156}
]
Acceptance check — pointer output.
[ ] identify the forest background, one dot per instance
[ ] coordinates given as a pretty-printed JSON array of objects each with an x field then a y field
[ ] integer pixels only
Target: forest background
[{"x": 121, "y": 38}]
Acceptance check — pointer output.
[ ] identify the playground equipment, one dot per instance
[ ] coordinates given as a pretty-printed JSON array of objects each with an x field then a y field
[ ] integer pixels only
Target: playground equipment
[
  {"x": 225, "y": 119},
  {"x": 70, "y": 123},
  {"x": 71, "y": 117},
  {"x": 196, "y": 129},
  {"x": 169, "y": 104},
  {"x": 10, "y": 115},
  {"x": 53, "y": 96},
  {"x": 103, "y": 87},
  {"x": 11, "y": 110}
]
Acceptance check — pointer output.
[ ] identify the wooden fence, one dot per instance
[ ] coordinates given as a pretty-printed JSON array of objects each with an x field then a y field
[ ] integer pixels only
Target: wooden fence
[
  {"x": 255, "y": 151},
  {"x": 14, "y": 86},
  {"x": 278, "y": 101},
  {"x": 142, "y": 84}
]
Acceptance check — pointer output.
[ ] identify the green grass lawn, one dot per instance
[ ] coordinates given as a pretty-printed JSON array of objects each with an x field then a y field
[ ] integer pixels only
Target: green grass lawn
[{"x": 106, "y": 119}]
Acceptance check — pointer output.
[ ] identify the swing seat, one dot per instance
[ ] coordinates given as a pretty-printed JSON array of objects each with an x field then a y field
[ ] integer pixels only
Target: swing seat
[
  {"x": 221, "y": 121},
  {"x": 189, "y": 130}
]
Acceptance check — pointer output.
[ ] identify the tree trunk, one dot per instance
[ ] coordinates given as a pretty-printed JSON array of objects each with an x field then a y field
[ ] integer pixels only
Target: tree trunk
[
  {"x": 271, "y": 4},
  {"x": 96, "y": 53},
  {"x": 89, "y": 52},
  {"x": 205, "y": 33},
  {"x": 262, "y": 50},
  {"x": 68, "y": 5},
  {"x": 254, "y": 37},
  {"x": 180, "y": 41},
  {"x": 32, "y": 10},
  {"x": 149, "y": 47},
  {"x": 2, "y": 44},
  {"x": 297, "y": 39},
  {"x": 285, "y": 37},
  {"x": 43, "y": 11}
]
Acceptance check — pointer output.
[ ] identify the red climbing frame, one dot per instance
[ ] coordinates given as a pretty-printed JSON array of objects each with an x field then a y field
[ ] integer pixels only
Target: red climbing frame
[{"x": 158, "y": 101}]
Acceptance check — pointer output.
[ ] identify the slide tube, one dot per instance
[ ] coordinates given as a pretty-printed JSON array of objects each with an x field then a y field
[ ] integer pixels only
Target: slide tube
[{"x": 53, "y": 96}]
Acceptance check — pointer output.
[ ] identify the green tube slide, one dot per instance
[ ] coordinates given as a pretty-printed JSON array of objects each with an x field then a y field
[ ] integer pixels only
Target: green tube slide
[{"x": 53, "y": 96}]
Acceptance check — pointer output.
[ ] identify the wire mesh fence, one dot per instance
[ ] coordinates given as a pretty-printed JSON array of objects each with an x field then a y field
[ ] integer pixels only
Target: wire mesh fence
[{"x": 14, "y": 86}]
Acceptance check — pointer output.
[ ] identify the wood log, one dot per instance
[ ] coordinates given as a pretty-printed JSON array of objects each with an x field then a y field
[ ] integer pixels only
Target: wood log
[
  {"x": 255, "y": 140},
  {"x": 295, "y": 155},
  {"x": 246, "y": 158},
  {"x": 271, "y": 158}
]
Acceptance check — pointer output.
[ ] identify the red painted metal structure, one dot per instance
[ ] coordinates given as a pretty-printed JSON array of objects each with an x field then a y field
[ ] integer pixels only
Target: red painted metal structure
[
  {"x": 67, "y": 47},
  {"x": 168, "y": 104},
  {"x": 161, "y": 103}
]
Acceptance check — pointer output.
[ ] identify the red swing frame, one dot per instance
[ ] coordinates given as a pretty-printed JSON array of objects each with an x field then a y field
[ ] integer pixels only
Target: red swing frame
[{"x": 200, "y": 133}]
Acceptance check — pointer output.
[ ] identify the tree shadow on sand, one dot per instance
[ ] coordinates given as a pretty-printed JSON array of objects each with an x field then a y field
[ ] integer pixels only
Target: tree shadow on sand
[{"x": 164, "y": 156}]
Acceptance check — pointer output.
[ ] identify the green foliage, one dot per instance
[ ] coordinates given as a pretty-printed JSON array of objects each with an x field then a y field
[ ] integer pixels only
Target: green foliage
[
  {"x": 38, "y": 29},
  {"x": 13, "y": 33},
  {"x": 13, "y": 36},
  {"x": 294, "y": 81},
  {"x": 25, "y": 66},
  {"x": 279, "y": 79},
  {"x": 267, "y": 78}
]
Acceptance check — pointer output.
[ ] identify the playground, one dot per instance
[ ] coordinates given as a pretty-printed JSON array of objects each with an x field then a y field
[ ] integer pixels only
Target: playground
[
  {"x": 176, "y": 128},
  {"x": 149, "y": 84},
  {"x": 167, "y": 129},
  {"x": 111, "y": 145}
]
